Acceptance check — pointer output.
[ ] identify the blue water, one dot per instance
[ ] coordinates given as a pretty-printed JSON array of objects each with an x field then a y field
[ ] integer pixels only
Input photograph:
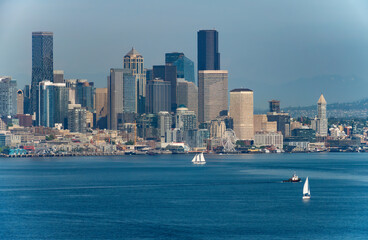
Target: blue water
[{"x": 166, "y": 197}]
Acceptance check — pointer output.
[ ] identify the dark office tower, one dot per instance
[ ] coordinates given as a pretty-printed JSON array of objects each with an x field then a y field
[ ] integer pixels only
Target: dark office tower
[
  {"x": 168, "y": 74},
  {"x": 274, "y": 106},
  {"x": 158, "y": 95},
  {"x": 114, "y": 97},
  {"x": 208, "y": 55},
  {"x": 149, "y": 74},
  {"x": 184, "y": 66},
  {"x": 61, "y": 97},
  {"x": 42, "y": 63},
  {"x": 59, "y": 76},
  {"x": 27, "y": 100},
  {"x": 85, "y": 94}
]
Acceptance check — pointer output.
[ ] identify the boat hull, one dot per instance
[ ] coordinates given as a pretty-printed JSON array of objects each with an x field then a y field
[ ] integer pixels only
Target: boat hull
[{"x": 306, "y": 197}]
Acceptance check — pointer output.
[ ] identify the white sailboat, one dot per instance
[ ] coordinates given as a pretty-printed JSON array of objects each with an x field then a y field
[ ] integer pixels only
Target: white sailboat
[
  {"x": 198, "y": 159},
  {"x": 306, "y": 190}
]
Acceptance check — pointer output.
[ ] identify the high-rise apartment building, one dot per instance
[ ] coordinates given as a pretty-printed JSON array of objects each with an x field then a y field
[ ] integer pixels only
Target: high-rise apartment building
[
  {"x": 114, "y": 97},
  {"x": 184, "y": 66},
  {"x": 20, "y": 101},
  {"x": 8, "y": 97},
  {"x": 208, "y": 55},
  {"x": 322, "y": 122},
  {"x": 212, "y": 94},
  {"x": 158, "y": 96},
  {"x": 134, "y": 60},
  {"x": 59, "y": 76},
  {"x": 42, "y": 63},
  {"x": 185, "y": 119},
  {"x": 241, "y": 110},
  {"x": 77, "y": 118},
  {"x": 164, "y": 123}
]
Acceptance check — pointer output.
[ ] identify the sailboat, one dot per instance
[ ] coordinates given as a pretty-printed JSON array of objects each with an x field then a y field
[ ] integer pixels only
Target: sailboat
[
  {"x": 306, "y": 190},
  {"x": 199, "y": 159}
]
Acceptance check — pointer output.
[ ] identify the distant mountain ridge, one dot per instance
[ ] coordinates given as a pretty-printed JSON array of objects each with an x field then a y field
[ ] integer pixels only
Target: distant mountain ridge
[{"x": 340, "y": 110}]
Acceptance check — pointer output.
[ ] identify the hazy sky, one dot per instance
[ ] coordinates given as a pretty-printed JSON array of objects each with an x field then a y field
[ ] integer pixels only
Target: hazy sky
[{"x": 262, "y": 43}]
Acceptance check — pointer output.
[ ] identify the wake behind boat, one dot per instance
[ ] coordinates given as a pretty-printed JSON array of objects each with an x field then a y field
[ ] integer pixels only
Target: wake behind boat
[
  {"x": 306, "y": 190},
  {"x": 199, "y": 159}
]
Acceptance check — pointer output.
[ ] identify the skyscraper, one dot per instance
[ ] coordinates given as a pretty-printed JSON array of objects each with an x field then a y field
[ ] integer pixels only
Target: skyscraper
[
  {"x": 8, "y": 97},
  {"x": 27, "y": 100},
  {"x": 322, "y": 117},
  {"x": 101, "y": 107},
  {"x": 184, "y": 66},
  {"x": 85, "y": 94},
  {"x": 208, "y": 55},
  {"x": 158, "y": 96},
  {"x": 212, "y": 94},
  {"x": 241, "y": 110},
  {"x": 20, "y": 101},
  {"x": 164, "y": 123},
  {"x": 134, "y": 60},
  {"x": 77, "y": 118},
  {"x": 187, "y": 95},
  {"x": 114, "y": 97},
  {"x": 46, "y": 107},
  {"x": 42, "y": 63},
  {"x": 61, "y": 96},
  {"x": 129, "y": 92},
  {"x": 274, "y": 106},
  {"x": 168, "y": 74}
]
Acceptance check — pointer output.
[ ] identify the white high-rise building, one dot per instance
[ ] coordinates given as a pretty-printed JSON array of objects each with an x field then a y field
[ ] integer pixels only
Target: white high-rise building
[{"x": 322, "y": 123}]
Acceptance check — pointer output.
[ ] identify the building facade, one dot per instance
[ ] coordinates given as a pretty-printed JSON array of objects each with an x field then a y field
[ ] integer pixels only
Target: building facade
[
  {"x": 184, "y": 66},
  {"x": 130, "y": 92},
  {"x": 8, "y": 97},
  {"x": 241, "y": 110},
  {"x": 20, "y": 101},
  {"x": 212, "y": 94},
  {"x": 208, "y": 55},
  {"x": 101, "y": 107},
  {"x": 77, "y": 118},
  {"x": 187, "y": 95},
  {"x": 134, "y": 60},
  {"x": 267, "y": 139},
  {"x": 158, "y": 96},
  {"x": 46, "y": 104},
  {"x": 322, "y": 122},
  {"x": 59, "y": 76},
  {"x": 114, "y": 97},
  {"x": 42, "y": 63},
  {"x": 61, "y": 96}
]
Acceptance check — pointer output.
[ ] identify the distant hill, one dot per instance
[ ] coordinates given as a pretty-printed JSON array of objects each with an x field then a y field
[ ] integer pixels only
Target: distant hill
[
  {"x": 306, "y": 91},
  {"x": 341, "y": 110}
]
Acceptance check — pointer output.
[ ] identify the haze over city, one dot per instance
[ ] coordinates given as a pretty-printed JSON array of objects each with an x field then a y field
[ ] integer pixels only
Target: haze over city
[{"x": 266, "y": 46}]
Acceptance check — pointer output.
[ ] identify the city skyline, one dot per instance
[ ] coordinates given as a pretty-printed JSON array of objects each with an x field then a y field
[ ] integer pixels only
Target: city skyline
[{"x": 252, "y": 55}]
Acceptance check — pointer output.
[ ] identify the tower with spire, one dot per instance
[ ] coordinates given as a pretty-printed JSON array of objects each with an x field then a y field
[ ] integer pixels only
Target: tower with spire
[
  {"x": 321, "y": 121},
  {"x": 134, "y": 61}
]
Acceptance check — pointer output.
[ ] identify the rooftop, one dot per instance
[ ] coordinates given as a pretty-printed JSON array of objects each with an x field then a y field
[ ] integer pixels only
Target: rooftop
[{"x": 241, "y": 90}]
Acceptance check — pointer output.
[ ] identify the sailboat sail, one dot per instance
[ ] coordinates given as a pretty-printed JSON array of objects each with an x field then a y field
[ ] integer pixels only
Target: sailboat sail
[
  {"x": 202, "y": 158},
  {"x": 306, "y": 189},
  {"x": 194, "y": 158}
]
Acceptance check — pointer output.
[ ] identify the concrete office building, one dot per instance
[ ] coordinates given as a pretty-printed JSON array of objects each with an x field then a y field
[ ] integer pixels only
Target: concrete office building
[
  {"x": 187, "y": 95},
  {"x": 261, "y": 124},
  {"x": 212, "y": 94},
  {"x": 20, "y": 101},
  {"x": 42, "y": 63},
  {"x": 208, "y": 55},
  {"x": 241, "y": 110},
  {"x": 164, "y": 124},
  {"x": 322, "y": 122},
  {"x": 267, "y": 139},
  {"x": 101, "y": 107},
  {"x": 114, "y": 97}
]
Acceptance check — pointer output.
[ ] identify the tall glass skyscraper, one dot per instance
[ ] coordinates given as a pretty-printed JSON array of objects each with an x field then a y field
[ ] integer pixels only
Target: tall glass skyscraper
[
  {"x": 114, "y": 97},
  {"x": 46, "y": 104},
  {"x": 61, "y": 97},
  {"x": 129, "y": 92},
  {"x": 42, "y": 63},
  {"x": 184, "y": 66},
  {"x": 8, "y": 97},
  {"x": 208, "y": 55}
]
